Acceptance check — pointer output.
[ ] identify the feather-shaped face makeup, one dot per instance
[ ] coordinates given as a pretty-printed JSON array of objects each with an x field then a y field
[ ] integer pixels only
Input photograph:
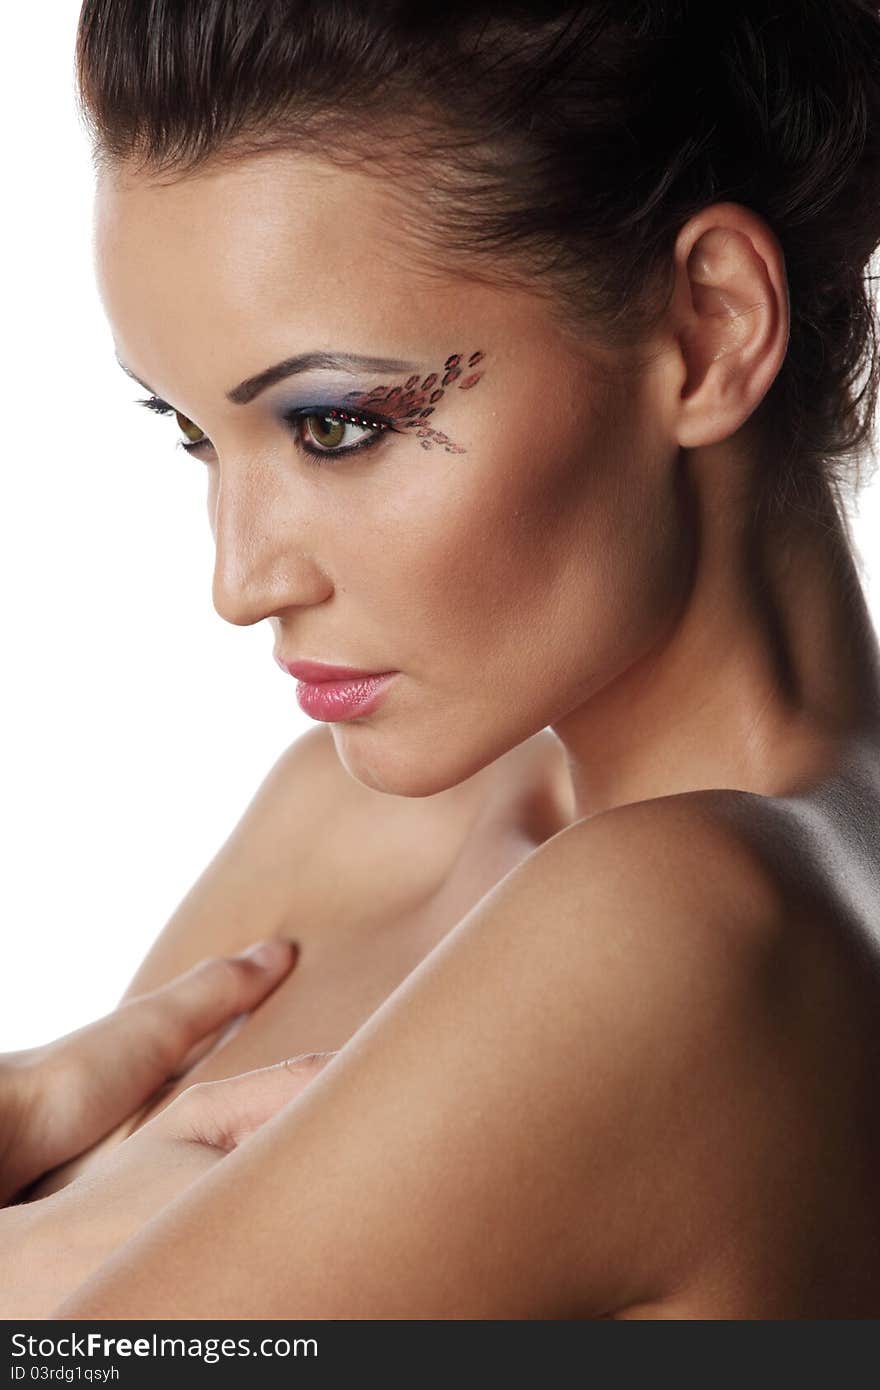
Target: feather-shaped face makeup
[{"x": 412, "y": 402}]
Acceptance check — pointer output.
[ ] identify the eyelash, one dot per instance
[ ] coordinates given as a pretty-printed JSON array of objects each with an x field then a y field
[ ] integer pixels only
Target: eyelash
[{"x": 378, "y": 424}]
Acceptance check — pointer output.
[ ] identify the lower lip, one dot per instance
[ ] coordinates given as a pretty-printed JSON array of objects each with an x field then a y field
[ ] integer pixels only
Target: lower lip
[{"x": 334, "y": 700}]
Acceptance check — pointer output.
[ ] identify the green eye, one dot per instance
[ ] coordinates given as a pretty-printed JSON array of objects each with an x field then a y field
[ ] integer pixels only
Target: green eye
[
  {"x": 191, "y": 430},
  {"x": 329, "y": 438},
  {"x": 195, "y": 437}
]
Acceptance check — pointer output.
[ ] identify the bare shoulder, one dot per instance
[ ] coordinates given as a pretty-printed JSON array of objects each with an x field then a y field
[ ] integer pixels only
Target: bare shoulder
[
  {"x": 658, "y": 914},
  {"x": 680, "y": 859},
  {"x": 699, "y": 926},
  {"x": 732, "y": 1048}
]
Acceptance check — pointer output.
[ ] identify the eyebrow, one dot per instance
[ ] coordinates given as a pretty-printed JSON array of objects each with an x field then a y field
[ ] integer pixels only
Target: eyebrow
[{"x": 350, "y": 362}]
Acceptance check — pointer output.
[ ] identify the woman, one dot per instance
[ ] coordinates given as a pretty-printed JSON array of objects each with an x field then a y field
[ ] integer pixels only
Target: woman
[{"x": 521, "y": 347}]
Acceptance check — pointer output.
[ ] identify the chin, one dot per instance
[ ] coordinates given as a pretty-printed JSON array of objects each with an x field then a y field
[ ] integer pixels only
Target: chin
[{"x": 371, "y": 758}]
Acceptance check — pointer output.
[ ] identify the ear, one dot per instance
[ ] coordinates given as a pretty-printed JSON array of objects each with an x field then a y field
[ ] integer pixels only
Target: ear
[{"x": 731, "y": 319}]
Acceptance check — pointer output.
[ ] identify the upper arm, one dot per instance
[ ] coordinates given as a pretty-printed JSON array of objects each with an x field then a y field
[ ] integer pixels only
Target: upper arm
[
  {"x": 244, "y": 893},
  {"x": 510, "y": 1135}
]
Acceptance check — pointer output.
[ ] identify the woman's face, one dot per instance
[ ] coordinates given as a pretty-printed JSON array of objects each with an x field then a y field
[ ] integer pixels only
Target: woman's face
[{"x": 509, "y": 547}]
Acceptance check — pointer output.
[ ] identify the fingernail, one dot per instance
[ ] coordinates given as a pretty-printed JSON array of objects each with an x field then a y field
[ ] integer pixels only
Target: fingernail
[{"x": 270, "y": 953}]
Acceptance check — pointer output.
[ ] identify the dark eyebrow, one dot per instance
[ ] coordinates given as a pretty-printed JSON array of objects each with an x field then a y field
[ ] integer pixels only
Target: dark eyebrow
[{"x": 303, "y": 362}]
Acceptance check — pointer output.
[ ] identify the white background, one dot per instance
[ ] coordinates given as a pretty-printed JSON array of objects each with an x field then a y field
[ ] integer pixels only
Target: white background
[{"x": 136, "y": 724}]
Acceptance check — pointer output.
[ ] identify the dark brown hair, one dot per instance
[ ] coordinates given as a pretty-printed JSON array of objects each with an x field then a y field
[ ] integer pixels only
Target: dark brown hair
[{"x": 558, "y": 146}]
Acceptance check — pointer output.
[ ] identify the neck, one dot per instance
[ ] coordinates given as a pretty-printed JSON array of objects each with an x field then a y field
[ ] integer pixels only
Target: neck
[{"x": 767, "y": 675}]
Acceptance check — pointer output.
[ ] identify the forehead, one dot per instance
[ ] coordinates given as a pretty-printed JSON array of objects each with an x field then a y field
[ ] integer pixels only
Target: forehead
[
  {"x": 207, "y": 279},
  {"x": 276, "y": 238},
  {"x": 248, "y": 213}
]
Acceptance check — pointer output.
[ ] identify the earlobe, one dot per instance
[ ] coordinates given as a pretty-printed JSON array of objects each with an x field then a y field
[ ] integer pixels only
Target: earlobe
[{"x": 735, "y": 331}]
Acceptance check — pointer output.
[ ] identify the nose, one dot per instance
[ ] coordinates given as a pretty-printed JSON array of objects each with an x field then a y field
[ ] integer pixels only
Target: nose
[{"x": 263, "y": 562}]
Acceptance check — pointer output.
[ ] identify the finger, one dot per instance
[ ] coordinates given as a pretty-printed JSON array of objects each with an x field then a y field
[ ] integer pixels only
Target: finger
[
  {"x": 223, "y": 1113},
  {"x": 159, "y": 1029},
  {"x": 201, "y": 1049},
  {"x": 103, "y": 1072},
  {"x": 209, "y": 1041}
]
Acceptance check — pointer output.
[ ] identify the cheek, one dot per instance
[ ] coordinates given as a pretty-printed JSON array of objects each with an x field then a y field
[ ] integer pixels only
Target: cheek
[
  {"x": 622, "y": 581},
  {"x": 554, "y": 578},
  {"x": 549, "y": 554},
  {"x": 465, "y": 561}
]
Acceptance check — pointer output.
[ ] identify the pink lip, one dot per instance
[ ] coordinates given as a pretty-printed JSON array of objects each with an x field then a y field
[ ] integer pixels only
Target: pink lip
[
  {"x": 316, "y": 671},
  {"x": 333, "y": 693},
  {"x": 335, "y": 700}
]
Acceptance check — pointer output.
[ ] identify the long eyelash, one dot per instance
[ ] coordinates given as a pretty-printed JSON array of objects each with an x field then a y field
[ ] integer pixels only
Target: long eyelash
[{"x": 369, "y": 419}]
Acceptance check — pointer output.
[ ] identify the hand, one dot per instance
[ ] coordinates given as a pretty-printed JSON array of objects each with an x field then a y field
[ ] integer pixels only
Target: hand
[
  {"x": 48, "y": 1248},
  {"x": 58, "y": 1099}
]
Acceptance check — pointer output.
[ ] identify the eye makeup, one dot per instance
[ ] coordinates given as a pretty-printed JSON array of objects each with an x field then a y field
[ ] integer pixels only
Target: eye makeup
[
  {"x": 411, "y": 403},
  {"x": 405, "y": 406},
  {"x": 296, "y": 417}
]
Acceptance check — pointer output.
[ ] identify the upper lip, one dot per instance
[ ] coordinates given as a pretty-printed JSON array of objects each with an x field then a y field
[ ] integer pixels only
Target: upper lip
[{"x": 314, "y": 671}]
